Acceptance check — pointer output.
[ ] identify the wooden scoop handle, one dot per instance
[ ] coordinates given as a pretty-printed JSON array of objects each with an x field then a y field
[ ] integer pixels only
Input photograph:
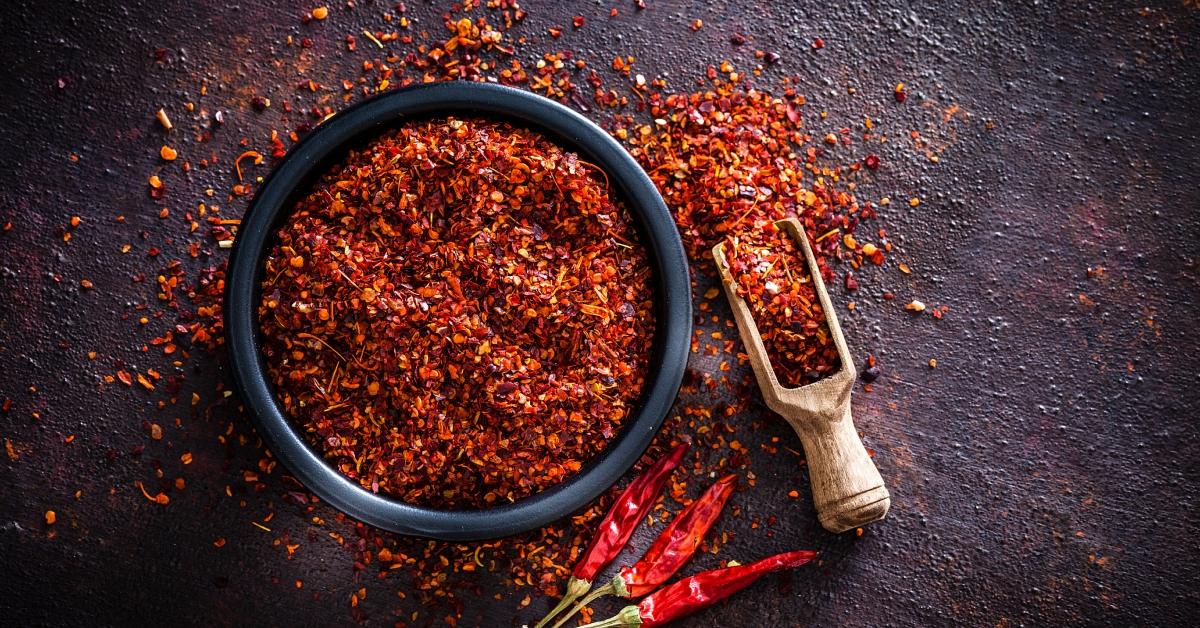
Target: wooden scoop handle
[{"x": 847, "y": 489}]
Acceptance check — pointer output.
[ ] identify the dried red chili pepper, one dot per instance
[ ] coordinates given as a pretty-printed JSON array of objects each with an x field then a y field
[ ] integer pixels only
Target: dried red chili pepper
[
  {"x": 672, "y": 549},
  {"x": 702, "y": 590},
  {"x": 616, "y": 528}
]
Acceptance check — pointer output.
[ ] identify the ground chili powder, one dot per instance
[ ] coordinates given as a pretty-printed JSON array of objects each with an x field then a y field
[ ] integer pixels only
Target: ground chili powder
[
  {"x": 772, "y": 277},
  {"x": 459, "y": 315}
]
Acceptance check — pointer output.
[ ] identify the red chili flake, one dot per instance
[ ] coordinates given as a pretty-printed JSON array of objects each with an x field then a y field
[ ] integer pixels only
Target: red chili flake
[
  {"x": 871, "y": 161},
  {"x": 555, "y": 32},
  {"x": 157, "y": 188},
  {"x": 470, "y": 318},
  {"x": 160, "y": 499},
  {"x": 851, "y": 282},
  {"x": 250, "y": 154},
  {"x": 577, "y": 21},
  {"x": 818, "y": 43},
  {"x": 125, "y": 377},
  {"x": 737, "y": 39},
  {"x": 772, "y": 277},
  {"x": 768, "y": 184},
  {"x": 145, "y": 383},
  {"x": 900, "y": 93}
]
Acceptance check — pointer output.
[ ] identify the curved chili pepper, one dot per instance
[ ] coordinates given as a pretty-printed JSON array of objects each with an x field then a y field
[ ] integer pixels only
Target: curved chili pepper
[
  {"x": 616, "y": 528},
  {"x": 674, "y": 546},
  {"x": 678, "y": 542},
  {"x": 702, "y": 590}
]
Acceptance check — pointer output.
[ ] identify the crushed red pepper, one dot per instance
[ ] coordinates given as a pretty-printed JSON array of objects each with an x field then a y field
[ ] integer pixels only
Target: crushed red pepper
[
  {"x": 741, "y": 137},
  {"x": 772, "y": 276},
  {"x": 459, "y": 315},
  {"x": 731, "y": 159}
]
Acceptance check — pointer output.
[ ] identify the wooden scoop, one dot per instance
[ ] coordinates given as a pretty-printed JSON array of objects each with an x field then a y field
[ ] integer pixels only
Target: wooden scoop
[{"x": 847, "y": 489}]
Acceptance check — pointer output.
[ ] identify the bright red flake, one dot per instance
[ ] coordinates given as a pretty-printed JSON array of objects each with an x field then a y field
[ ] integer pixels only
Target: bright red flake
[{"x": 458, "y": 315}]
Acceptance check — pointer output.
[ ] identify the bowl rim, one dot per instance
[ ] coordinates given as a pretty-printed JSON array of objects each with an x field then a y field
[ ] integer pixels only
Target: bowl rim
[{"x": 311, "y": 157}]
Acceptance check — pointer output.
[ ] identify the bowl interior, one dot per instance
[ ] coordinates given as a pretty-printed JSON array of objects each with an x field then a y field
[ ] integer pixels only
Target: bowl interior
[{"x": 327, "y": 146}]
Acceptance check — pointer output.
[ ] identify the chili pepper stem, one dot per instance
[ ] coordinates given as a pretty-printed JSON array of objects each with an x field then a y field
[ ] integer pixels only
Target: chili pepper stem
[
  {"x": 629, "y": 617},
  {"x": 575, "y": 588},
  {"x": 608, "y": 589}
]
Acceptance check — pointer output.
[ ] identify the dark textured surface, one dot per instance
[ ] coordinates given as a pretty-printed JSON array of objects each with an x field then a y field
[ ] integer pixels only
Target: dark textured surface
[{"x": 1044, "y": 473}]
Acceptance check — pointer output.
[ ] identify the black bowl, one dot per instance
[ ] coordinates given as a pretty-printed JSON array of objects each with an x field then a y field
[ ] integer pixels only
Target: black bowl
[{"x": 327, "y": 145}]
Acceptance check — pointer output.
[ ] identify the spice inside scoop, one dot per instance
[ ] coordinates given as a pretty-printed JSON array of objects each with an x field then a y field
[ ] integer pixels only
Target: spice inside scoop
[{"x": 771, "y": 276}]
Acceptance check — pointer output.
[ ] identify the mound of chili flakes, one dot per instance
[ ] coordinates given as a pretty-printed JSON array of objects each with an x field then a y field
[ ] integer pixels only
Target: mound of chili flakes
[
  {"x": 771, "y": 275},
  {"x": 459, "y": 315}
]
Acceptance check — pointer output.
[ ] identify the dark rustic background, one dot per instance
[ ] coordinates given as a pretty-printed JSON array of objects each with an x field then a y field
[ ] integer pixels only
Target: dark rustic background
[{"x": 1044, "y": 473}]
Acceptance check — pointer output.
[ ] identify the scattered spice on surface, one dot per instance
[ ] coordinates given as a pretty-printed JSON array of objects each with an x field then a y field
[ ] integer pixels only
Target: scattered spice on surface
[
  {"x": 160, "y": 498},
  {"x": 459, "y": 315},
  {"x": 776, "y": 174}
]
